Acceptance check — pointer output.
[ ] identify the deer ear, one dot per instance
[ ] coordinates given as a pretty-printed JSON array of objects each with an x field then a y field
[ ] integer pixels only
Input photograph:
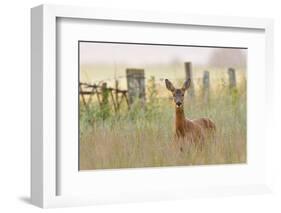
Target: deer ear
[
  {"x": 169, "y": 85},
  {"x": 186, "y": 84}
]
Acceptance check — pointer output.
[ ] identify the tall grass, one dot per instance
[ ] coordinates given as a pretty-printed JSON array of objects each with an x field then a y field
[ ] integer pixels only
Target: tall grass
[{"x": 143, "y": 136}]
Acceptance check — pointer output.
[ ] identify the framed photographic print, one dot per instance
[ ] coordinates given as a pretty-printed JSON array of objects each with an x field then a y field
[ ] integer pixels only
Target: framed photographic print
[
  {"x": 132, "y": 106},
  {"x": 136, "y": 117}
]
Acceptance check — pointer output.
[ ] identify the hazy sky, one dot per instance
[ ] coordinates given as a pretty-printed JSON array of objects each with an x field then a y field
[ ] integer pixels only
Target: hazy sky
[
  {"x": 92, "y": 53},
  {"x": 105, "y": 61}
]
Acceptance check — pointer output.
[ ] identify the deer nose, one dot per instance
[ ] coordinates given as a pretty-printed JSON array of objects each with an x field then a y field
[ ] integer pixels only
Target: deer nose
[{"x": 178, "y": 103}]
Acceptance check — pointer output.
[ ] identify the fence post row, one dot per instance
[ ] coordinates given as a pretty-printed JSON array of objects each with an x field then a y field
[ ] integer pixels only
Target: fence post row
[
  {"x": 102, "y": 95},
  {"x": 136, "y": 88}
]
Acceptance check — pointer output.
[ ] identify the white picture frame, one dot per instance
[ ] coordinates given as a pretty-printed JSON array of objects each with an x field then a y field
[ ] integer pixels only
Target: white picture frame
[{"x": 44, "y": 154}]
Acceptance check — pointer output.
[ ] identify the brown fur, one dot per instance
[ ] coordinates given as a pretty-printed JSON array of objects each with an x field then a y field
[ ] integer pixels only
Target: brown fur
[{"x": 194, "y": 131}]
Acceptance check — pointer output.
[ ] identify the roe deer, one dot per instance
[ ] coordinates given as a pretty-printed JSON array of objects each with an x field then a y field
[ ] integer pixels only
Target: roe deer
[{"x": 194, "y": 131}]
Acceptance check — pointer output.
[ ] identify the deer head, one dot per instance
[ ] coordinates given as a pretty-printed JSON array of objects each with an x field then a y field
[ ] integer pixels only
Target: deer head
[{"x": 178, "y": 94}]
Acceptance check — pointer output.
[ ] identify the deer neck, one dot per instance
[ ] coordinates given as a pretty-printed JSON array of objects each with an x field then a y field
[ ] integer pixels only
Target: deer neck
[{"x": 180, "y": 118}]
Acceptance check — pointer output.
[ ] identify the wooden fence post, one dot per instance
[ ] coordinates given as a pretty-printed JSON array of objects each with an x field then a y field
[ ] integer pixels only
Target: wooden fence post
[
  {"x": 232, "y": 78},
  {"x": 82, "y": 96},
  {"x": 116, "y": 93},
  {"x": 105, "y": 94},
  {"x": 112, "y": 99},
  {"x": 105, "y": 109},
  {"x": 188, "y": 75},
  {"x": 136, "y": 84},
  {"x": 206, "y": 86}
]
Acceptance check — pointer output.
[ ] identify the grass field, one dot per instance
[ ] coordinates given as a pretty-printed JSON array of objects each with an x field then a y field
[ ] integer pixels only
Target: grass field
[{"x": 142, "y": 137}]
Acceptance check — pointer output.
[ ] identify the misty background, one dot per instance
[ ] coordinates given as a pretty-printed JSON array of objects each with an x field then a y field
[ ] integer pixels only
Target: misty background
[{"x": 109, "y": 61}]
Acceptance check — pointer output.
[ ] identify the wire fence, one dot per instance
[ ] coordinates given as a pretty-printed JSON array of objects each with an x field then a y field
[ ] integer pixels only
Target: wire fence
[{"x": 135, "y": 80}]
